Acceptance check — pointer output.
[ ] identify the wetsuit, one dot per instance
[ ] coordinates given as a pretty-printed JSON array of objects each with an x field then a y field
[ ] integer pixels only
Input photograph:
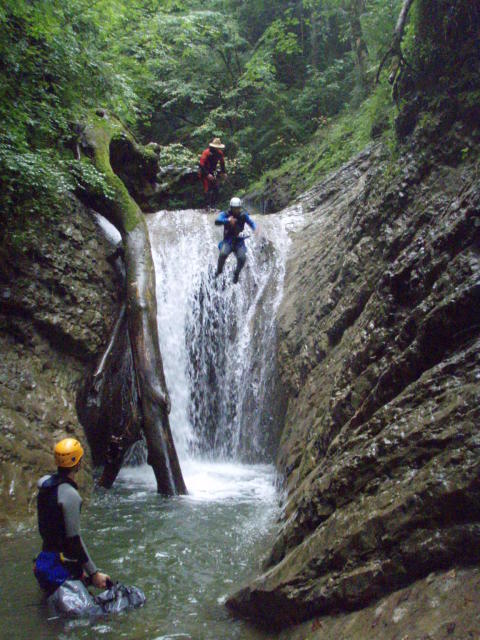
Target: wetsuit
[
  {"x": 64, "y": 554},
  {"x": 231, "y": 240}
]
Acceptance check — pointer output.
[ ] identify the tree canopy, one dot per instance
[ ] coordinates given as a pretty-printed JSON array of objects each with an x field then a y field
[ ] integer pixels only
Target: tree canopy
[{"x": 264, "y": 75}]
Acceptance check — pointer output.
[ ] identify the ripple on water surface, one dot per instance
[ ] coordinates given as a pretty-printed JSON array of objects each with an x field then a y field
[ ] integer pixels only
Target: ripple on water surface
[{"x": 187, "y": 553}]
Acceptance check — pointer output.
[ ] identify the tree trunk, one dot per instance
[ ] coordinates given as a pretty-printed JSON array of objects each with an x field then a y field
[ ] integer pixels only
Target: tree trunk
[
  {"x": 125, "y": 214},
  {"x": 395, "y": 49},
  {"x": 400, "y": 26},
  {"x": 359, "y": 46},
  {"x": 314, "y": 38},
  {"x": 301, "y": 20},
  {"x": 108, "y": 405}
]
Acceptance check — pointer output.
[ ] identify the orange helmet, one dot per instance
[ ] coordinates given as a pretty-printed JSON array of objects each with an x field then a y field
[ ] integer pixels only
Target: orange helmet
[{"x": 68, "y": 453}]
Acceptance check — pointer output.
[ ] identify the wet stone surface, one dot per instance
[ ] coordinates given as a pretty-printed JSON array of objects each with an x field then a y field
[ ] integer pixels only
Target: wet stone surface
[
  {"x": 59, "y": 298},
  {"x": 442, "y": 606},
  {"x": 378, "y": 351}
]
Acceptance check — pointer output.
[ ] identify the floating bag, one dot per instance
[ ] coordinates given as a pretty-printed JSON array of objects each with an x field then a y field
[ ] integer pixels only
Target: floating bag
[
  {"x": 73, "y": 600},
  {"x": 119, "y": 598}
]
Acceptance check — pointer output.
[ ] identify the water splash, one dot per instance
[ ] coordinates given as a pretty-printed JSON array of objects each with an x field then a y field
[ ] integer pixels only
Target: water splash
[{"x": 218, "y": 339}]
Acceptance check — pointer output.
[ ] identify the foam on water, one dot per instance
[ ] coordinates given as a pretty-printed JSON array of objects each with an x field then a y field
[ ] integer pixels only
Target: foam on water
[
  {"x": 212, "y": 481},
  {"x": 187, "y": 553}
]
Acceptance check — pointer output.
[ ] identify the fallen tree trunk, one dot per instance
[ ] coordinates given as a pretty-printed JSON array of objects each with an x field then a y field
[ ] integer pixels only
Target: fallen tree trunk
[{"x": 120, "y": 208}]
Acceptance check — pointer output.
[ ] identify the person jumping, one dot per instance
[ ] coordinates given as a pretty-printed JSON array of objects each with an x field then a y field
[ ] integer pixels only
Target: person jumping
[{"x": 233, "y": 222}]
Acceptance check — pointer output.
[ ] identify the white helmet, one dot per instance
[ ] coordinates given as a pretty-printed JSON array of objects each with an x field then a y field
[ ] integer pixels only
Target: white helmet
[{"x": 235, "y": 203}]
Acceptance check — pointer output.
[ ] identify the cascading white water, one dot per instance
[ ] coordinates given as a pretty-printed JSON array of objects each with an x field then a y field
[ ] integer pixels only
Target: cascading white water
[
  {"x": 217, "y": 339},
  {"x": 187, "y": 553}
]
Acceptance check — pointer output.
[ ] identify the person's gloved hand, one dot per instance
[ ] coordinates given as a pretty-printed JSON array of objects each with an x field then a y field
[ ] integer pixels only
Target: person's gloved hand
[{"x": 100, "y": 580}]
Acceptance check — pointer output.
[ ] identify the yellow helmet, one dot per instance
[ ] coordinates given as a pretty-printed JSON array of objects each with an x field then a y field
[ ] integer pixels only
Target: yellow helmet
[{"x": 68, "y": 453}]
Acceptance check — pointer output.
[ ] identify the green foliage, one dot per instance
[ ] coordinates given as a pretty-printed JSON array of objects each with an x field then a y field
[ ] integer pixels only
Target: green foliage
[
  {"x": 177, "y": 155},
  {"x": 33, "y": 182},
  {"x": 336, "y": 142},
  {"x": 26, "y": 172},
  {"x": 265, "y": 75},
  {"x": 324, "y": 94},
  {"x": 261, "y": 75},
  {"x": 56, "y": 65},
  {"x": 86, "y": 176}
]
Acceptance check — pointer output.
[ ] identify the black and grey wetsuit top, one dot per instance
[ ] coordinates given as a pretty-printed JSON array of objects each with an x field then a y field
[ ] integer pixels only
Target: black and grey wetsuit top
[{"x": 59, "y": 505}]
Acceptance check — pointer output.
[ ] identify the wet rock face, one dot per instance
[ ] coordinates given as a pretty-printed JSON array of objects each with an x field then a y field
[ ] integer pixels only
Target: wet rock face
[
  {"x": 273, "y": 197},
  {"x": 176, "y": 187},
  {"x": 379, "y": 352},
  {"x": 58, "y": 301},
  {"x": 443, "y": 605}
]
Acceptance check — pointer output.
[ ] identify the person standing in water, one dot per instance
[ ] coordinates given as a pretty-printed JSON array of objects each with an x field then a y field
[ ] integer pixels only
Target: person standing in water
[
  {"x": 64, "y": 555},
  {"x": 233, "y": 222}
]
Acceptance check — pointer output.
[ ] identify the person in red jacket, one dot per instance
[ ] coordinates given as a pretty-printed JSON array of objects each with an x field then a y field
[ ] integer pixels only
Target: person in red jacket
[{"x": 210, "y": 158}]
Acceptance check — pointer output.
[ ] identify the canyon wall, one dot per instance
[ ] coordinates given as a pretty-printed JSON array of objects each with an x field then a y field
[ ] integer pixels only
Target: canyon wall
[
  {"x": 59, "y": 299},
  {"x": 379, "y": 336}
]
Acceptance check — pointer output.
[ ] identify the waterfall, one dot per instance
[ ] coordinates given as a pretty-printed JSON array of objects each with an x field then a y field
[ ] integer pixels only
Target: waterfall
[{"x": 218, "y": 339}]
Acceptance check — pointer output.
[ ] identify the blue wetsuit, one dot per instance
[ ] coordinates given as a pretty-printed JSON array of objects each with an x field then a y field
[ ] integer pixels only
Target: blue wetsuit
[{"x": 231, "y": 240}]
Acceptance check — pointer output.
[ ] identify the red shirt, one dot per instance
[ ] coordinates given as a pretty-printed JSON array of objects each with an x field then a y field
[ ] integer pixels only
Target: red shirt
[{"x": 209, "y": 161}]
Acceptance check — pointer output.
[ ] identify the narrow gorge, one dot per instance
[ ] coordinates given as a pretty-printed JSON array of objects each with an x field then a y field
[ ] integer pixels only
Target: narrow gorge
[
  {"x": 296, "y": 456},
  {"x": 378, "y": 354}
]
